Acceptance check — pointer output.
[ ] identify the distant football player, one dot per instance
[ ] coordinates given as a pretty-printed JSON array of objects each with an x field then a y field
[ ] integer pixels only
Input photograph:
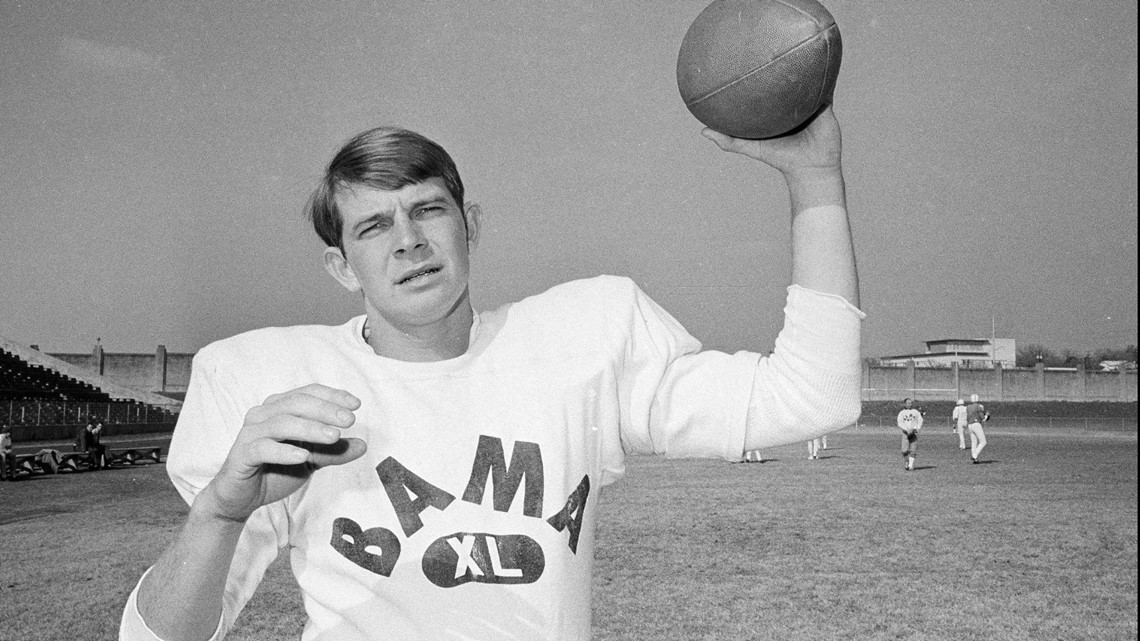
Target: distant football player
[
  {"x": 976, "y": 414},
  {"x": 814, "y": 446},
  {"x": 958, "y": 418},
  {"x": 909, "y": 421}
]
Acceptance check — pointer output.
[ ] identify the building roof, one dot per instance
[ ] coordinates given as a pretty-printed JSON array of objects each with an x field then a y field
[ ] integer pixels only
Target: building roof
[{"x": 922, "y": 355}]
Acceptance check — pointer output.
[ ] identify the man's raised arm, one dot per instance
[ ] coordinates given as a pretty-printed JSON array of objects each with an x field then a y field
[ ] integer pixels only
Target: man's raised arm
[{"x": 810, "y": 385}]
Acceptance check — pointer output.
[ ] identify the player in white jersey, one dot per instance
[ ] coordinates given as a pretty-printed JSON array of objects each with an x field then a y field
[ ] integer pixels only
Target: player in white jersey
[
  {"x": 433, "y": 472},
  {"x": 958, "y": 418},
  {"x": 909, "y": 421},
  {"x": 976, "y": 414}
]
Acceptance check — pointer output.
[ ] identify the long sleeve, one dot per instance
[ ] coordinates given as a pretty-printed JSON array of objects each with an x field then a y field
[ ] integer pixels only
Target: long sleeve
[{"x": 810, "y": 384}]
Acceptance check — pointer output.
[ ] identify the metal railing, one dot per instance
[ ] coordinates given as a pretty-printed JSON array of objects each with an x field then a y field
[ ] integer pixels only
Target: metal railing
[{"x": 32, "y": 413}]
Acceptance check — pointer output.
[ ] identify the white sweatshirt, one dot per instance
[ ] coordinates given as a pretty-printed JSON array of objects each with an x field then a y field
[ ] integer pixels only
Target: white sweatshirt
[{"x": 473, "y": 513}]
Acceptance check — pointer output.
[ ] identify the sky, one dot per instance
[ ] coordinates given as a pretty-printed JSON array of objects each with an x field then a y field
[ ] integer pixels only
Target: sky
[{"x": 155, "y": 158}]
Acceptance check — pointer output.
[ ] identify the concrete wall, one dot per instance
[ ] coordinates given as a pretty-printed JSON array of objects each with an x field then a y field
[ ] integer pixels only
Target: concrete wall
[
  {"x": 1021, "y": 384},
  {"x": 999, "y": 384},
  {"x": 160, "y": 372},
  {"x": 170, "y": 373}
]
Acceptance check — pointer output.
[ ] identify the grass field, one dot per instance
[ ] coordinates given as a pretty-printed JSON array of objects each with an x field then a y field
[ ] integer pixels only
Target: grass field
[{"x": 1037, "y": 543}]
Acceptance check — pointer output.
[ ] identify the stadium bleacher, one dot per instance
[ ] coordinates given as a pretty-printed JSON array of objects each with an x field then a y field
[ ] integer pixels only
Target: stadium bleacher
[
  {"x": 21, "y": 381},
  {"x": 47, "y": 408},
  {"x": 35, "y": 397}
]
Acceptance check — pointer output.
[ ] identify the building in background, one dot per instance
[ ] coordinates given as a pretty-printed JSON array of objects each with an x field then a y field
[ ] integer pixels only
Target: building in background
[{"x": 966, "y": 352}]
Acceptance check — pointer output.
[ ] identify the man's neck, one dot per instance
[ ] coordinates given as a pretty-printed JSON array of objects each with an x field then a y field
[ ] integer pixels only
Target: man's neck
[{"x": 446, "y": 339}]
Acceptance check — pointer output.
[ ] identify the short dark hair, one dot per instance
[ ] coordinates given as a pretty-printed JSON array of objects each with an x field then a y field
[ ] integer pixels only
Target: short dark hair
[{"x": 387, "y": 158}]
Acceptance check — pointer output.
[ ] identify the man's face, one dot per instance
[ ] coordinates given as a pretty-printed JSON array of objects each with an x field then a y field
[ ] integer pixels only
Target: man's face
[{"x": 407, "y": 250}]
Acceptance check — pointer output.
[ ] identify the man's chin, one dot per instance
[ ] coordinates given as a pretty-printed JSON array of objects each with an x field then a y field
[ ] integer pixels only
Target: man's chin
[{"x": 425, "y": 308}]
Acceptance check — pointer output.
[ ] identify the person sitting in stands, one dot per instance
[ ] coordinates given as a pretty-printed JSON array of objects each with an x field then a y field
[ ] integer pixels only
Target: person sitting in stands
[{"x": 7, "y": 456}]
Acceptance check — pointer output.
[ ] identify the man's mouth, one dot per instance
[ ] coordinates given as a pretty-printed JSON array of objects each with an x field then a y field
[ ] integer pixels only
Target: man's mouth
[{"x": 419, "y": 274}]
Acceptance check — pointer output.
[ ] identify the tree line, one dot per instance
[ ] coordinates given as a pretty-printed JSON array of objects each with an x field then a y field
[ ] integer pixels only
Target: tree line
[{"x": 1029, "y": 355}]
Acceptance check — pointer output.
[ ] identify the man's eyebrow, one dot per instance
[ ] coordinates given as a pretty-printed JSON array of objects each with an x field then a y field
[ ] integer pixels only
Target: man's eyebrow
[
  {"x": 368, "y": 221},
  {"x": 427, "y": 200},
  {"x": 413, "y": 205}
]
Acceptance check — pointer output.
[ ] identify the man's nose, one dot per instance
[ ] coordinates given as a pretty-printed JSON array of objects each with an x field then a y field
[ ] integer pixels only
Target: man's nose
[{"x": 409, "y": 237}]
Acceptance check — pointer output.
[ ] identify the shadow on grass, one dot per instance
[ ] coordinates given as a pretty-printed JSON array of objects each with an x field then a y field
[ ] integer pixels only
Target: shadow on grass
[{"x": 25, "y": 478}]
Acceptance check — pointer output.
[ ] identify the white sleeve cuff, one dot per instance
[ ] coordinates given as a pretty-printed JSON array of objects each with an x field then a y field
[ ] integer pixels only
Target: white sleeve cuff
[{"x": 825, "y": 328}]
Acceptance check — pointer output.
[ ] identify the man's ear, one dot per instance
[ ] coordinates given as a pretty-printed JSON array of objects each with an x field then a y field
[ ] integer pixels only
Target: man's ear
[
  {"x": 473, "y": 215},
  {"x": 337, "y": 266}
]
